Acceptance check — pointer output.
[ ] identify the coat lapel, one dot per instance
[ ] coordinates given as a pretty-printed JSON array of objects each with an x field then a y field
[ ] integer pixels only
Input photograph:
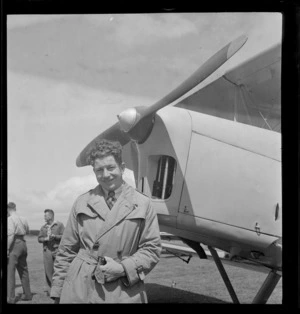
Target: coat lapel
[
  {"x": 97, "y": 202},
  {"x": 122, "y": 208}
]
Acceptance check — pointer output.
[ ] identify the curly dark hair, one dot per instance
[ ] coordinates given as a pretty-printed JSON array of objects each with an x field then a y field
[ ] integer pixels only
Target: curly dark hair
[{"x": 103, "y": 148}]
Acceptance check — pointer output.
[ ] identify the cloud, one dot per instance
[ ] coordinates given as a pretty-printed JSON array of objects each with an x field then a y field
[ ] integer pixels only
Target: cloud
[
  {"x": 268, "y": 31},
  {"x": 76, "y": 186},
  {"x": 24, "y": 20},
  {"x": 31, "y": 204},
  {"x": 73, "y": 186},
  {"x": 136, "y": 29}
]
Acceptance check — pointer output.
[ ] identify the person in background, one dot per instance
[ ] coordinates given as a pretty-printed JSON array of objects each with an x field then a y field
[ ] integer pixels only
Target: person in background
[
  {"x": 17, "y": 228},
  {"x": 50, "y": 235},
  {"x": 111, "y": 241}
]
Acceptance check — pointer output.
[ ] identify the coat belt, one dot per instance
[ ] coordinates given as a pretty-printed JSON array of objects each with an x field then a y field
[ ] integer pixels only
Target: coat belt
[{"x": 88, "y": 256}]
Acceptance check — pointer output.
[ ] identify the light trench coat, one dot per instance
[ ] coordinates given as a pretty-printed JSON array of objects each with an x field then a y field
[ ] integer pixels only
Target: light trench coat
[{"x": 128, "y": 233}]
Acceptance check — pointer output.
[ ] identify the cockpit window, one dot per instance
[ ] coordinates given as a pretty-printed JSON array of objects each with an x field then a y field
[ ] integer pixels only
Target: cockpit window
[{"x": 164, "y": 168}]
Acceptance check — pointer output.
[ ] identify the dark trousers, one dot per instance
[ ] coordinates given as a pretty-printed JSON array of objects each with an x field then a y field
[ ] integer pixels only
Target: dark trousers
[
  {"x": 49, "y": 267},
  {"x": 17, "y": 259}
]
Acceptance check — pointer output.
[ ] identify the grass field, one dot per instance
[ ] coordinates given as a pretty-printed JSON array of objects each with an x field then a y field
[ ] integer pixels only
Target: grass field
[{"x": 171, "y": 281}]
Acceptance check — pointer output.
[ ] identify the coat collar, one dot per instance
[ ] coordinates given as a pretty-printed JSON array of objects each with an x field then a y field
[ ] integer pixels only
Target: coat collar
[
  {"x": 96, "y": 200},
  {"x": 51, "y": 225},
  {"x": 125, "y": 204}
]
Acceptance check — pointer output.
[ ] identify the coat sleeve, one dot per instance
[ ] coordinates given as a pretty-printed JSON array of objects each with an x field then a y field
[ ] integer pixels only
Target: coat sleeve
[
  {"x": 67, "y": 251},
  {"x": 147, "y": 256}
]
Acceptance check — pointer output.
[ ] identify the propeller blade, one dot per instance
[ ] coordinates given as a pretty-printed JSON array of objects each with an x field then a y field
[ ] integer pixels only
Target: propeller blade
[
  {"x": 132, "y": 116},
  {"x": 113, "y": 133},
  {"x": 204, "y": 71},
  {"x": 136, "y": 123}
]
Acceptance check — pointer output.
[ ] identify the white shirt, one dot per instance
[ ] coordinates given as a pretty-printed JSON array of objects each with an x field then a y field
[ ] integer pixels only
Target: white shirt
[
  {"x": 16, "y": 225},
  {"x": 49, "y": 227}
]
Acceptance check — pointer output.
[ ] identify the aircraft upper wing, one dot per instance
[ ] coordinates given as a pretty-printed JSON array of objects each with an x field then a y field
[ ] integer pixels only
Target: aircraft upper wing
[{"x": 249, "y": 93}]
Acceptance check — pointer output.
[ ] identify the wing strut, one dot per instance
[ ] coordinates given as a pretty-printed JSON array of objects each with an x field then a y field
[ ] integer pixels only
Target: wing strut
[
  {"x": 265, "y": 290},
  {"x": 223, "y": 274}
]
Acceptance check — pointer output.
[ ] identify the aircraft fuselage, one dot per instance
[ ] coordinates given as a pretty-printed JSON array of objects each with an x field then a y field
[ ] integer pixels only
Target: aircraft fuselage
[{"x": 215, "y": 181}]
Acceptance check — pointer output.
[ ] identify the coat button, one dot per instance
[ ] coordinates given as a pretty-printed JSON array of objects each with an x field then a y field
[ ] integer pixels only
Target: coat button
[{"x": 95, "y": 246}]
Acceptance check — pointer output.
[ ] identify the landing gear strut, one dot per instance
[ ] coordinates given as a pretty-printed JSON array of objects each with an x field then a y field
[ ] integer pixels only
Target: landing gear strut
[
  {"x": 265, "y": 290},
  {"x": 224, "y": 275}
]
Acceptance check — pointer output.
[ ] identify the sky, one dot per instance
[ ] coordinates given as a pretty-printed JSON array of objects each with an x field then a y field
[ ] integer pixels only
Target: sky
[{"x": 68, "y": 76}]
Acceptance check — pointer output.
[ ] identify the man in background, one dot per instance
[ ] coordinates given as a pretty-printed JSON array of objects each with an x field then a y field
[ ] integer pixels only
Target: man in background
[
  {"x": 50, "y": 235},
  {"x": 17, "y": 228}
]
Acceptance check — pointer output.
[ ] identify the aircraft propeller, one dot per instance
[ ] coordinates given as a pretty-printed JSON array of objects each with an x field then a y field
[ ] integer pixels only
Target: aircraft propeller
[{"x": 136, "y": 123}]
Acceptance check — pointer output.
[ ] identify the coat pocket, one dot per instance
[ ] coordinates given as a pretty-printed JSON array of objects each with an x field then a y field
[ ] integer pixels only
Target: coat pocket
[
  {"x": 129, "y": 233},
  {"x": 73, "y": 269}
]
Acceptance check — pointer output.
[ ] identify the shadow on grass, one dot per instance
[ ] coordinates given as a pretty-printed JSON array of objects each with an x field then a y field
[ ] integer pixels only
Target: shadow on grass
[{"x": 162, "y": 294}]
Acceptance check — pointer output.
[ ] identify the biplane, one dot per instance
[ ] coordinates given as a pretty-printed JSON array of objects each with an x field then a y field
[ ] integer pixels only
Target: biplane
[{"x": 211, "y": 162}]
